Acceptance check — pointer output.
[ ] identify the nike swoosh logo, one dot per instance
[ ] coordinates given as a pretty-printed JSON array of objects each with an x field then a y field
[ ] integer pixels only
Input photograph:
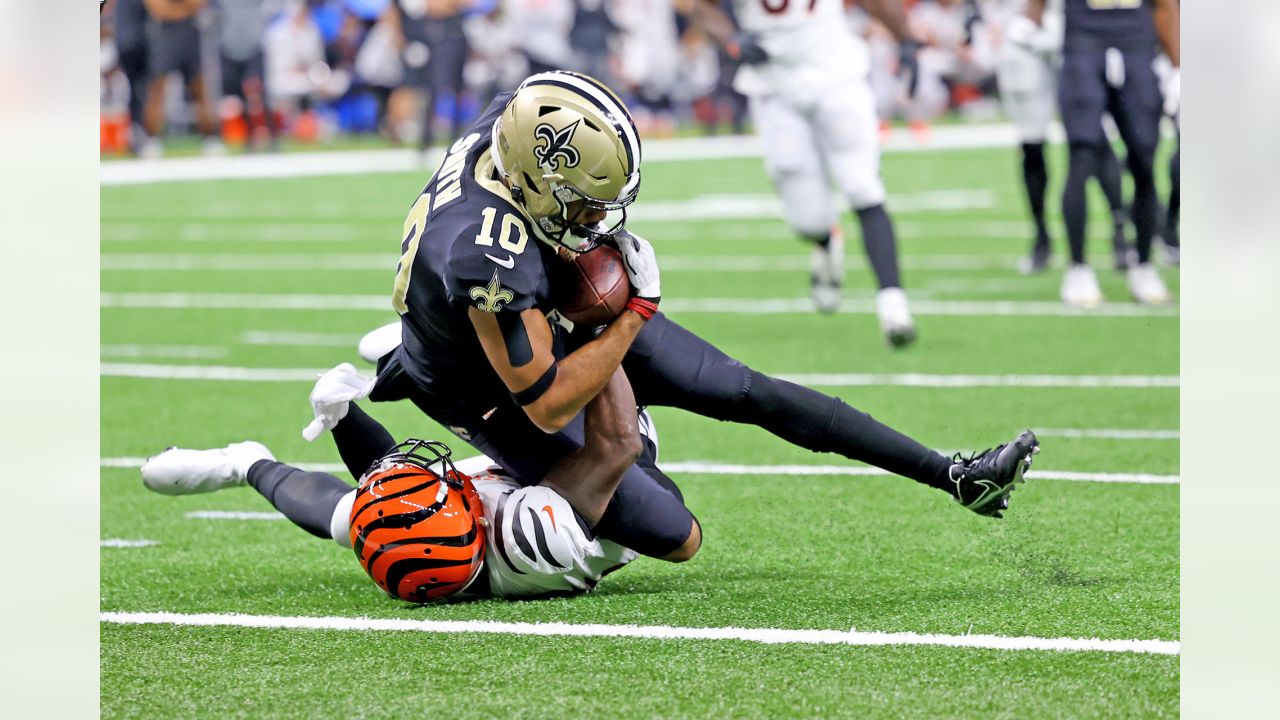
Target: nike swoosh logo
[
  {"x": 509, "y": 263},
  {"x": 547, "y": 509}
]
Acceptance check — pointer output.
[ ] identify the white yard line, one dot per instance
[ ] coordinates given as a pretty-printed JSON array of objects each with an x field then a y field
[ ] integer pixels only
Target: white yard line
[
  {"x": 732, "y": 306},
  {"x": 768, "y": 636},
  {"x": 969, "y": 308},
  {"x": 971, "y": 381},
  {"x": 259, "y": 374},
  {"x": 188, "y": 352},
  {"x": 119, "y": 543},
  {"x": 705, "y": 467},
  {"x": 132, "y": 172},
  {"x": 695, "y": 467},
  {"x": 233, "y": 515},
  {"x": 306, "y": 339},
  {"x": 1110, "y": 433}
]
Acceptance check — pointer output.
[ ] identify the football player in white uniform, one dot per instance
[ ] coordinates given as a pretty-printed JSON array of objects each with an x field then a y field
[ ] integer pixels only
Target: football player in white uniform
[
  {"x": 425, "y": 528},
  {"x": 806, "y": 76}
]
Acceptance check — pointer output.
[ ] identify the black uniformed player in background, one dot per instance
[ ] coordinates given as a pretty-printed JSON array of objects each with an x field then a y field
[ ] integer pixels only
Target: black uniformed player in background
[{"x": 1108, "y": 51}]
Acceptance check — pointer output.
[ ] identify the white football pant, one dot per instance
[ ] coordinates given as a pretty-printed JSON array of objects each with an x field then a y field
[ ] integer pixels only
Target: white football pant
[{"x": 810, "y": 141}]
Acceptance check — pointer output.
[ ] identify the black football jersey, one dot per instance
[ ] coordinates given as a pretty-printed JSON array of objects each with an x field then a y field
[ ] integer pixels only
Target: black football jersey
[
  {"x": 466, "y": 244},
  {"x": 1100, "y": 24}
]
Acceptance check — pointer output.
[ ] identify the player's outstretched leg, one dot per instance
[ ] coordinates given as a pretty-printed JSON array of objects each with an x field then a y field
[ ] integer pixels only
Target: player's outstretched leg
[
  {"x": 178, "y": 471},
  {"x": 670, "y": 366},
  {"x": 309, "y": 499}
]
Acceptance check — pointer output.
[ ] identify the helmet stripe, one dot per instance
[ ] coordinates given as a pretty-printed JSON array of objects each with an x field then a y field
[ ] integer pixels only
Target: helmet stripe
[{"x": 604, "y": 101}]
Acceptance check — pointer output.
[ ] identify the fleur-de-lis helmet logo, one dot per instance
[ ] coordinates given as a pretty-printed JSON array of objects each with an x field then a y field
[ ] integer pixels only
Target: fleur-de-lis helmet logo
[{"x": 557, "y": 152}]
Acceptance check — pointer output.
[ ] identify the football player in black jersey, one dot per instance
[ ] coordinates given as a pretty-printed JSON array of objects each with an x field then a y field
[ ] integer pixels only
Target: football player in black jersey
[
  {"x": 547, "y": 173},
  {"x": 1107, "y": 67}
]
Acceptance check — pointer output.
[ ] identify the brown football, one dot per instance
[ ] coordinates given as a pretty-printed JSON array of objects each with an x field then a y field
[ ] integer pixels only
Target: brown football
[{"x": 601, "y": 290}]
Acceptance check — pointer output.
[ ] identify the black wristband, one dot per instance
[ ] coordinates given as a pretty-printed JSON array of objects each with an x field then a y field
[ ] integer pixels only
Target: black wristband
[{"x": 530, "y": 395}]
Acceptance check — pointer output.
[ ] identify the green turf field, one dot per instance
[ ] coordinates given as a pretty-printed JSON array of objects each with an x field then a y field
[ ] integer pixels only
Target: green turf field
[{"x": 1072, "y": 559}]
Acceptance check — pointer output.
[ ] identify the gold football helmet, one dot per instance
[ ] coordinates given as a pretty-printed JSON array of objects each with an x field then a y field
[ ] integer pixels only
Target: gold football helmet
[{"x": 566, "y": 137}]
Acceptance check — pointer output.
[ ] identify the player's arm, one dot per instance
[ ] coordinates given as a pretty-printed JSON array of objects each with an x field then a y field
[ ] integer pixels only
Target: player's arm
[
  {"x": 588, "y": 476},
  {"x": 894, "y": 17},
  {"x": 892, "y": 14},
  {"x": 1035, "y": 11},
  {"x": 707, "y": 16},
  {"x": 1168, "y": 20},
  {"x": 519, "y": 346}
]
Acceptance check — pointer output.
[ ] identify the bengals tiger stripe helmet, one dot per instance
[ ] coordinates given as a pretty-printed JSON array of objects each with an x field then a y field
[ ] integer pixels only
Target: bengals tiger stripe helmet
[{"x": 415, "y": 524}]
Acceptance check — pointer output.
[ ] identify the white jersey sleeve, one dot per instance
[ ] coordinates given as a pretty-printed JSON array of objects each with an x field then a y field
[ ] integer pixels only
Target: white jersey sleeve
[
  {"x": 535, "y": 545},
  {"x": 809, "y": 43}
]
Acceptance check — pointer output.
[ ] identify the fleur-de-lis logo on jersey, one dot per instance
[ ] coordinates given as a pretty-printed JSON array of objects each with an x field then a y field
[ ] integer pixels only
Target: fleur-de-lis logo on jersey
[
  {"x": 492, "y": 297},
  {"x": 557, "y": 152}
]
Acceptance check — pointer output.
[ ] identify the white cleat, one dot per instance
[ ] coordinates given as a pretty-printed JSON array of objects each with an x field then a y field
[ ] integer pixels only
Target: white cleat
[
  {"x": 1080, "y": 287},
  {"x": 1146, "y": 286},
  {"x": 177, "y": 471},
  {"x": 379, "y": 342},
  {"x": 826, "y": 273},
  {"x": 895, "y": 317}
]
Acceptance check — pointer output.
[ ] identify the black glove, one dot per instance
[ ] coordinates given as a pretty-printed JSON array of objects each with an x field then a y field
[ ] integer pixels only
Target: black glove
[
  {"x": 909, "y": 64},
  {"x": 746, "y": 49}
]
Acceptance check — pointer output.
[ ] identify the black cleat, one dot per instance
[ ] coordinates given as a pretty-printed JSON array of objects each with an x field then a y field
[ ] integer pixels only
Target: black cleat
[
  {"x": 1126, "y": 255},
  {"x": 1037, "y": 262},
  {"x": 983, "y": 481}
]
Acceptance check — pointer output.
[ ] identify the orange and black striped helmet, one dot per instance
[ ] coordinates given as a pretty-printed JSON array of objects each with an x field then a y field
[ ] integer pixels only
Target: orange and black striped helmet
[{"x": 415, "y": 524}]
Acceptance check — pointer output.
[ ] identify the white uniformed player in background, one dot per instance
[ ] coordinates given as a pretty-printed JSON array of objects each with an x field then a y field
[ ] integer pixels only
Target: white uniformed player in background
[{"x": 806, "y": 75}]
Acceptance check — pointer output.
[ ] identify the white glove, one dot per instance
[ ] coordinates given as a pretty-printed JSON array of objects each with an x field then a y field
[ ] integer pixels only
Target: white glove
[
  {"x": 332, "y": 396},
  {"x": 641, "y": 264},
  {"x": 1171, "y": 88}
]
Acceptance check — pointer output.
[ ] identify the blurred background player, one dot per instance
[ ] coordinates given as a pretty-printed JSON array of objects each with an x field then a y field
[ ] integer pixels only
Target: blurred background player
[
  {"x": 175, "y": 47},
  {"x": 805, "y": 75},
  {"x": 1029, "y": 59},
  {"x": 242, "y": 25},
  {"x": 129, "y": 20},
  {"x": 1109, "y": 49}
]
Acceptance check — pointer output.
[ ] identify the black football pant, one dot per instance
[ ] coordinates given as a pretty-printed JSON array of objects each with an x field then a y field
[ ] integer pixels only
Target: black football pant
[{"x": 670, "y": 366}]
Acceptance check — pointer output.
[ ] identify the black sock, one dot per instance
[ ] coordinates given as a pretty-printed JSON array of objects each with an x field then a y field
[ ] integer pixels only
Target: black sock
[
  {"x": 881, "y": 246},
  {"x": 1175, "y": 200},
  {"x": 1035, "y": 175},
  {"x": 819, "y": 240},
  {"x": 822, "y": 423},
  {"x": 1109, "y": 179},
  {"x": 306, "y": 498},
  {"x": 361, "y": 441},
  {"x": 1075, "y": 208},
  {"x": 1146, "y": 205}
]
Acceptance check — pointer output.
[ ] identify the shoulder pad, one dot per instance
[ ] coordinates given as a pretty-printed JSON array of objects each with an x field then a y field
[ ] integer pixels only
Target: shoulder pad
[{"x": 489, "y": 277}]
